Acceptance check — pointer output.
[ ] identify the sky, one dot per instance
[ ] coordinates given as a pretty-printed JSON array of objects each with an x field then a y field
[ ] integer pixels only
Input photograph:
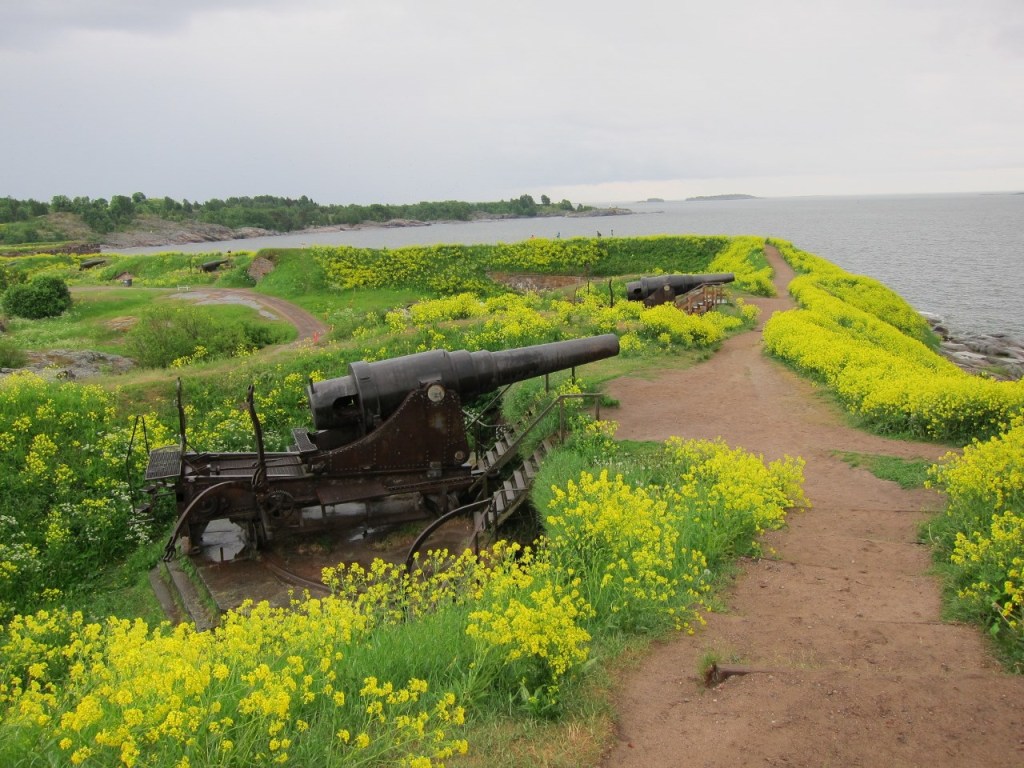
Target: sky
[{"x": 398, "y": 101}]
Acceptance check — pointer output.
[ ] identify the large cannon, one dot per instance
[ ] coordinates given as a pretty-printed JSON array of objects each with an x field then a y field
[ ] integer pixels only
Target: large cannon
[
  {"x": 352, "y": 406},
  {"x": 664, "y": 288},
  {"x": 392, "y": 429}
]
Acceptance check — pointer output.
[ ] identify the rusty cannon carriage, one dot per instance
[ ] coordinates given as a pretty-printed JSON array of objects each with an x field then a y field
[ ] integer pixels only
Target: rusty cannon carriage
[
  {"x": 661, "y": 289},
  {"x": 389, "y": 443}
]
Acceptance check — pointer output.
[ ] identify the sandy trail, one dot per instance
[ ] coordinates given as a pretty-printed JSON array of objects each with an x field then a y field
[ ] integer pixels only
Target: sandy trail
[{"x": 846, "y": 618}]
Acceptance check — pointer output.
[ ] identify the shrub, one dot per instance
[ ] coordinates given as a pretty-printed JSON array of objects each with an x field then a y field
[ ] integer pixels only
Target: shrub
[
  {"x": 981, "y": 534},
  {"x": 9, "y": 277},
  {"x": 38, "y": 298},
  {"x": 168, "y": 335},
  {"x": 869, "y": 347}
]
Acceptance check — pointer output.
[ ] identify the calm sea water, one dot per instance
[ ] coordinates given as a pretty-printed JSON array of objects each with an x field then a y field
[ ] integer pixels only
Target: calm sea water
[{"x": 958, "y": 256}]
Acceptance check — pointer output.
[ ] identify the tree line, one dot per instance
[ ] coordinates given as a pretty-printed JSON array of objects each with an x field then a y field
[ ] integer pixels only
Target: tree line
[{"x": 281, "y": 214}]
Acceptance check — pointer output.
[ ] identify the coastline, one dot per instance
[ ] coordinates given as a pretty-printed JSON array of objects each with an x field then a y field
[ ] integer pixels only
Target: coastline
[
  {"x": 155, "y": 233},
  {"x": 997, "y": 355}
]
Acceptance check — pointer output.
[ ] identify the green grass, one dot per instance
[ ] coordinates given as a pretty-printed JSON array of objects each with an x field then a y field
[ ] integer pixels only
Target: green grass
[
  {"x": 99, "y": 317},
  {"x": 907, "y": 473},
  {"x": 120, "y": 589},
  {"x": 297, "y": 278}
]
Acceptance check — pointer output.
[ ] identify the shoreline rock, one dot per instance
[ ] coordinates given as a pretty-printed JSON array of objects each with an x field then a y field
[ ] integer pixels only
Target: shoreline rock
[{"x": 997, "y": 355}]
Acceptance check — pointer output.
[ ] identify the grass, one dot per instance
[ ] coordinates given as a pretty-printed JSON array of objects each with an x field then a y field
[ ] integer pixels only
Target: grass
[
  {"x": 99, "y": 318},
  {"x": 121, "y": 589},
  {"x": 581, "y": 734},
  {"x": 298, "y": 279},
  {"x": 907, "y": 473},
  {"x": 498, "y": 738}
]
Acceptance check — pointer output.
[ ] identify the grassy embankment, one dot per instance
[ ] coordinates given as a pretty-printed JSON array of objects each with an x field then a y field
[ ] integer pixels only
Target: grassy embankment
[
  {"x": 382, "y": 671},
  {"x": 874, "y": 353},
  {"x": 517, "y": 641}
]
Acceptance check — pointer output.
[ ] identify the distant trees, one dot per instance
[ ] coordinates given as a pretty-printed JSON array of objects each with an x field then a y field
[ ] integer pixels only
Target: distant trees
[
  {"x": 121, "y": 210},
  {"x": 12, "y": 210},
  {"x": 280, "y": 214},
  {"x": 60, "y": 204}
]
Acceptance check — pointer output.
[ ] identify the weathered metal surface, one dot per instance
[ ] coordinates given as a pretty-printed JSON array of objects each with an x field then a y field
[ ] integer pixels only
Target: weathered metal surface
[
  {"x": 390, "y": 428},
  {"x": 213, "y": 266},
  {"x": 660, "y": 289}
]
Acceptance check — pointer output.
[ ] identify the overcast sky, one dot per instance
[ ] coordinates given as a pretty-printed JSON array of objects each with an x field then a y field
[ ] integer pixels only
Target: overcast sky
[{"x": 362, "y": 101}]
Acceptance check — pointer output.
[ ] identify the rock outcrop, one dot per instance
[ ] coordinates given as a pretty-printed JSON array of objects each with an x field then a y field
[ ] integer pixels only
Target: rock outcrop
[
  {"x": 73, "y": 365},
  {"x": 998, "y": 355}
]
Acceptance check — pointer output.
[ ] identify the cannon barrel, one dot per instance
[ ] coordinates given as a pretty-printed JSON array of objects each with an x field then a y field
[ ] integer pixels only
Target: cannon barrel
[
  {"x": 372, "y": 391},
  {"x": 638, "y": 290}
]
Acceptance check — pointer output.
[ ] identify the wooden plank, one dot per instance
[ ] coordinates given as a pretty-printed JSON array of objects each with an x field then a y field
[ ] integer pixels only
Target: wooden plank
[{"x": 519, "y": 481}]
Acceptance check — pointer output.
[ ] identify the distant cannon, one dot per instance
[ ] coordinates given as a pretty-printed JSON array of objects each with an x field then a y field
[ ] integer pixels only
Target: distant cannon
[
  {"x": 392, "y": 428},
  {"x": 661, "y": 289},
  {"x": 213, "y": 266}
]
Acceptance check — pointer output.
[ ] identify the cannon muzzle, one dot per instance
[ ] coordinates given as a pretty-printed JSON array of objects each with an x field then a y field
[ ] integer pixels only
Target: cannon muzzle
[
  {"x": 641, "y": 289},
  {"x": 372, "y": 391}
]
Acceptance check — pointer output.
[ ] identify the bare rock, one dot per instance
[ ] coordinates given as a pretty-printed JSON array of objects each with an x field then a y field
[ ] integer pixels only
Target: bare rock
[{"x": 73, "y": 365}]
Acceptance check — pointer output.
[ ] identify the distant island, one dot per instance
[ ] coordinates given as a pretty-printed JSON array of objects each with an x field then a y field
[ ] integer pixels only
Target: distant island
[
  {"x": 654, "y": 200},
  {"x": 701, "y": 198}
]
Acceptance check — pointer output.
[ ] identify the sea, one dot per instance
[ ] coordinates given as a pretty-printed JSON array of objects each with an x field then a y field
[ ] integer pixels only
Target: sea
[{"x": 957, "y": 256}]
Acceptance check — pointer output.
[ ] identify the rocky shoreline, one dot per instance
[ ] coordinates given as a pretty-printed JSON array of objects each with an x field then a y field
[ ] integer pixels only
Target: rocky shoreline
[
  {"x": 997, "y": 355},
  {"x": 152, "y": 232}
]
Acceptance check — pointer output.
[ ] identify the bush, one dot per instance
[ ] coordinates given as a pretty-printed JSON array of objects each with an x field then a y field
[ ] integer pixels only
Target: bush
[
  {"x": 980, "y": 537},
  {"x": 868, "y": 346},
  {"x": 38, "y": 298},
  {"x": 167, "y": 334}
]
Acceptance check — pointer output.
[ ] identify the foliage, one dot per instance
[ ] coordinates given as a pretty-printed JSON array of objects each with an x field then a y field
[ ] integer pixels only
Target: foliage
[
  {"x": 40, "y": 297},
  {"x": 64, "y": 505},
  {"x": 906, "y": 473},
  {"x": 9, "y": 277},
  {"x": 22, "y": 221},
  {"x": 386, "y": 668},
  {"x": 266, "y": 687},
  {"x": 175, "y": 336},
  {"x": 165, "y": 270},
  {"x": 980, "y": 536},
  {"x": 859, "y": 291},
  {"x": 658, "y": 254},
  {"x": 870, "y": 354},
  {"x": 448, "y": 269},
  {"x": 11, "y": 355},
  {"x": 744, "y": 258},
  {"x": 642, "y": 542},
  {"x": 510, "y": 320}
]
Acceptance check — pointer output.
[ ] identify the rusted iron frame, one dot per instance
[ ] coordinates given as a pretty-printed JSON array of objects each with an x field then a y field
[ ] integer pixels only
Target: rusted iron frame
[{"x": 128, "y": 455}]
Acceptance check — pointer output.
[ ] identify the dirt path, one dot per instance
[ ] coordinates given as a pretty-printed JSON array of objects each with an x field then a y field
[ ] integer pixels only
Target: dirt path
[
  {"x": 269, "y": 306},
  {"x": 846, "y": 620}
]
